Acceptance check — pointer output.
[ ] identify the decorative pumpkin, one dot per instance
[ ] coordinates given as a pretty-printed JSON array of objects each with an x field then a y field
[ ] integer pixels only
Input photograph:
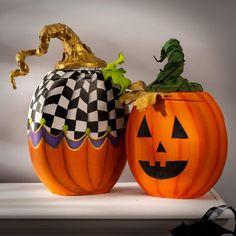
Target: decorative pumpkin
[
  {"x": 75, "y": 122},
  {"x": 176, "y": 138}
]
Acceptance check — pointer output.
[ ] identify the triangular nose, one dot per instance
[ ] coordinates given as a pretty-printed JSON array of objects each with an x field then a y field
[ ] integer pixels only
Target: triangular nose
[{"x": 161, "y": 148}]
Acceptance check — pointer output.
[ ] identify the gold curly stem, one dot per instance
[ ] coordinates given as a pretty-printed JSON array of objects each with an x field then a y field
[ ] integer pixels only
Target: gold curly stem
[{"x": 76, "y": 54}]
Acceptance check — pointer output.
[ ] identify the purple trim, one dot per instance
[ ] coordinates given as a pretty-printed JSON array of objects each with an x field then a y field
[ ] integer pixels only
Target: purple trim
[
  {"x": 97, "y": 142},
  {"x": 42, "y": 133},
  {"x": 36, "y": 137},
  {"x": 116, "y": 140},
  {"x": 53, "y": 141},
  {"x": 74, "y": 144}
]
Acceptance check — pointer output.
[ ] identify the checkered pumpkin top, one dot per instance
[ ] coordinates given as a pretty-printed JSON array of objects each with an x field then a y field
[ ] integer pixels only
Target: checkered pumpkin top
[{"x": 79, "y": 99}]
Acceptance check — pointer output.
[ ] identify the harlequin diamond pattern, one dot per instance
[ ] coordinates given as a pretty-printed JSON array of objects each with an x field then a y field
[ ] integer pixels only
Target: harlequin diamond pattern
[{"x": 80, "y": 99}]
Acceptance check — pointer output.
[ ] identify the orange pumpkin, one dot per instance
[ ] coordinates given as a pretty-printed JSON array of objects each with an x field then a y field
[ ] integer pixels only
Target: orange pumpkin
[
  {"x": 76, "y": 122},
  {"x": 177, "y": 148},
  {"x": 78, "y": 171}
]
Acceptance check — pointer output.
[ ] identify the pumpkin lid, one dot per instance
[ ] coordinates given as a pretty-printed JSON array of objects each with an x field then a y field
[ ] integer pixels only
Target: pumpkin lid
[
  {"x": 184, "y": 96},
  {"x": 76, "y": 53}
]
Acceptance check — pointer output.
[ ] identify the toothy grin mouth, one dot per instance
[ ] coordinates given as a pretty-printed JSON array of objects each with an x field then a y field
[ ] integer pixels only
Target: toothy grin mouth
[{"x": 171, "y": 170}]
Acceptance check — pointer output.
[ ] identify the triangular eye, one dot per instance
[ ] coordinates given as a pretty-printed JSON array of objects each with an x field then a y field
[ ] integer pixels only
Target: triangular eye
[
  {"x": 178, "y": 130},
  {"x": 161, "y": 148},
  {"x": 144, "y": 130}
]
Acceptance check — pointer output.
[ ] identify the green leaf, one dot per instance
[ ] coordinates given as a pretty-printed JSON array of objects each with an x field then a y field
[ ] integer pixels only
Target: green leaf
[
  {"x": 118, "y": 61},
  {"x": 117, "y": 74}
]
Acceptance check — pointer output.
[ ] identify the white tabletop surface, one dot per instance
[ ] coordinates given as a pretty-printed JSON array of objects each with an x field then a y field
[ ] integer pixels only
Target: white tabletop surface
[{"x": 125, "y": 201}]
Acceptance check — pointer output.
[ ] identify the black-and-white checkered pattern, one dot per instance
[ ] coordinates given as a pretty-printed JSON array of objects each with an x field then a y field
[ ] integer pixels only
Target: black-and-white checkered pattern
[{"x": 80, "y": 99}]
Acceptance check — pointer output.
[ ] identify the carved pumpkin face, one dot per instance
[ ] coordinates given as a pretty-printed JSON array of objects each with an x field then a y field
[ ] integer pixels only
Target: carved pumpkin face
[
  {"x": 177, "y": 147},
  {"x": 169, "y": 169}
]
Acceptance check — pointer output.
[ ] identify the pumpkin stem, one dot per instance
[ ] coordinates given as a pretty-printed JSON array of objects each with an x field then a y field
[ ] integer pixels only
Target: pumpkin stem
[
  {"x": 169, "y": 79},
  {"x": 76, "y": 54}
]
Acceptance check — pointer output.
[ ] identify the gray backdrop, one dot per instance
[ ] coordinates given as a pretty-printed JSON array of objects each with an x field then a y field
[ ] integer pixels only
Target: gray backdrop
[{"x": 206, "y": 30}]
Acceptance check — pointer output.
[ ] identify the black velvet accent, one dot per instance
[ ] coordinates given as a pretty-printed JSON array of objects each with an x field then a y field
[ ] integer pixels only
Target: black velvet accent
[
  {"x": 178, "y": 130},
  {"x": 160, "y": 148},
  {"x": 206, "y": 226},
  {"x": 171, "y": 170},
  {"x": 144, "y": 130},
  {"x": 202, "y": 228}
]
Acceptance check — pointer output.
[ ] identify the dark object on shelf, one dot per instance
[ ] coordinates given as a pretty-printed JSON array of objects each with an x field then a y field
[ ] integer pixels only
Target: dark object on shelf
[{"x": 206, "y": 226}]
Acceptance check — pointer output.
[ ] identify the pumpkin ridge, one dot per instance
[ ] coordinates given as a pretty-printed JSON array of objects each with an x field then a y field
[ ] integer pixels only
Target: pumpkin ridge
[
  {"x": 56, "y": 159},
  {"x": 213, "y": 102},
  {"x": 127, "y": 144},
  {"x": 213, "y": 176},
  {"x": 87, "y": 168},
  {"x": 101, "y": 185},
  {"x": 76, "y": 162},
  {"x": 111, "y": 175},
  {"x": 96, "y": 159},
  {"x": 175, "y": 192},
  {"x": 92, "y": 158},
  {"x": 116, "y": 170},
  {"x": 67, "y": 170},
  {"x": 198, "y": 192},
  {"x": 214, "y": 105},
  {"x": 109, "y": 142},
  {"x": 52, "y": 179},
  {"x": 199, "y": 146},
  {"x": 104, "y": 165},
  {"x": 41, "y": 171},
  {"x": 54, "y": 174}
]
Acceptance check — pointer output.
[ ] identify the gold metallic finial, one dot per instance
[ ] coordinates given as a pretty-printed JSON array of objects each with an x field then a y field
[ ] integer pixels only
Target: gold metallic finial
[{"x": 76, "y": 54}]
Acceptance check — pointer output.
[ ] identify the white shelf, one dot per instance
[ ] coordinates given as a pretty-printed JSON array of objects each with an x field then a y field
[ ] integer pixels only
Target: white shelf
[{"x": 125, "y": 201}]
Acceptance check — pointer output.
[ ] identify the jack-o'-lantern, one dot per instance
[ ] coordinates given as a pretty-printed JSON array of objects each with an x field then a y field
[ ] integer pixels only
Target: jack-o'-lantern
[
  {"x": 76, "y": 122},
  {"x": 176, "y": 137}
]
